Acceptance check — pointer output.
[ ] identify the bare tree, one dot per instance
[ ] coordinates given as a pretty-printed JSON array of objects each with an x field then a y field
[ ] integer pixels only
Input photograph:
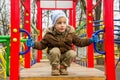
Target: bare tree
[
  {"x": 97, "y": 12},
  {"x": 4, "y": 17},
  {"x": 33, "y": 12}
]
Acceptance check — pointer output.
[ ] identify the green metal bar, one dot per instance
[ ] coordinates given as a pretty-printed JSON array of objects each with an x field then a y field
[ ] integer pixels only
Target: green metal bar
[
  {"x": 7, "y": 57},
  {"x": 23, "y": 40},
  {"x": 4, "y": 37},
  {"x": 3, "y": 40}
]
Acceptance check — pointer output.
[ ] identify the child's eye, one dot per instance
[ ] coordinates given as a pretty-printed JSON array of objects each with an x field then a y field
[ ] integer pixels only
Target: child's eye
[
  {"x": 59, "y": 22},
  {"x": 64, "y": 22}
]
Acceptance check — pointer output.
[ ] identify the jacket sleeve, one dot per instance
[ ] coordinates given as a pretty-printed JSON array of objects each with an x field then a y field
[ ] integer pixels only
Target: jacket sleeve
[
  {"x": 81, "y": 42},
  {"x": 41, "y": 44}
]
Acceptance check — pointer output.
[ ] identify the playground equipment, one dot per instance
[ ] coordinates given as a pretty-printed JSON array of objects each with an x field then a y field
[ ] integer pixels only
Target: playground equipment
[
  {"x": 15, "y": 36},
  {"x": 22, "y": 30},
  {"x": 6, "y": 39},
  {"x": 5, "y": 61},
  {"x": 15, "y": 16},
  {"x": 117, "y": 41},
  {"x": 3, "y": 64},
  {"x": 116, "y": 33}
]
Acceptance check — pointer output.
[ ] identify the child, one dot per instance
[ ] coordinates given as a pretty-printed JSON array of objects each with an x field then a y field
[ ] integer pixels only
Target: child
[{"x": 59, "y": 40}]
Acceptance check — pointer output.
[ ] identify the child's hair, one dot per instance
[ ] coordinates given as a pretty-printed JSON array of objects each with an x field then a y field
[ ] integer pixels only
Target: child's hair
[{"x": 57, "y": 14}]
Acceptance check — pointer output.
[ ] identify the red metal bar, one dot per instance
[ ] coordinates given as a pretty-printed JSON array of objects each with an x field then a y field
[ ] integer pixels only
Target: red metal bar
[
  {"x": 74, "y": 14},
  {"x": 27, "y": 27},
  {"x": 39, "y": 27},
  {"x": 71, "y": 17},
  {"x": 15, "y": 40},
  {"x": 109, "y": 40},
  {"x": 89, "y": 32}
]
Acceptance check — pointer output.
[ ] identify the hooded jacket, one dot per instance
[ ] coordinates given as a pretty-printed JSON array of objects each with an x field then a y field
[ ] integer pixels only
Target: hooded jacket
[{"x": 63, "y": 41}]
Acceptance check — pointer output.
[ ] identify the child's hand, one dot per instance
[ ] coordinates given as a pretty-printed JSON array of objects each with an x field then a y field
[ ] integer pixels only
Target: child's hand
[
  {"x": 94, "y": 38},
  {"x": 30, "y": 42}
]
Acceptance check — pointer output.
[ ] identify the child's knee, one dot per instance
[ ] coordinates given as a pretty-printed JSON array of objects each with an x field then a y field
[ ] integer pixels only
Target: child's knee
[
  {"x": 71, "y": 54},
  {"x": 55, "y": 51}
]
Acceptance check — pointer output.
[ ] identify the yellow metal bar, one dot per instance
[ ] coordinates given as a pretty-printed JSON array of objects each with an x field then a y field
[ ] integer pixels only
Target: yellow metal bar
[
  {"x": 3, "y": 72},
  {"x": 3, "y": 64},
  {"x": 2, "y": 59}
]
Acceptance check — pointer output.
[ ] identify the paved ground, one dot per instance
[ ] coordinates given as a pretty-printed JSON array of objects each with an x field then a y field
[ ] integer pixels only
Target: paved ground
[{"x": 101, "y": 67}]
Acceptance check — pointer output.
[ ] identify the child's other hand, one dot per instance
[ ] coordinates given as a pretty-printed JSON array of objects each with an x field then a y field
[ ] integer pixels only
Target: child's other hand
[
  {"x": 94, "y": 38},
  {"x": 30, "y": 42}
]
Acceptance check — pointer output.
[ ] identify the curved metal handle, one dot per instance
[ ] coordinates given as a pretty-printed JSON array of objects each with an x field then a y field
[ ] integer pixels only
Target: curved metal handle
[
  {"x": 29, "y": 37},
  {"x": 95, "y": 43}
]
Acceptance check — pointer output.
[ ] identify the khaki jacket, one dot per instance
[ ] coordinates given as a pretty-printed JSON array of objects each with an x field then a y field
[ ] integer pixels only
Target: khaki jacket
[{"x": 63, "y": 41}]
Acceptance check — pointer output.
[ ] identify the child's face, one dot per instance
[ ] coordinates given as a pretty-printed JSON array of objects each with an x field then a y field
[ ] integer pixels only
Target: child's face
[{"x": 61, "y": 24}]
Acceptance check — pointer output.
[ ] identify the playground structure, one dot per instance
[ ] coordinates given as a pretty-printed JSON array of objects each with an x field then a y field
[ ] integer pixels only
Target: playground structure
[
  {"x": 3, "y": 65},
  {"x": 15, "y": 33},
  {"x": 99, "y": 23}
]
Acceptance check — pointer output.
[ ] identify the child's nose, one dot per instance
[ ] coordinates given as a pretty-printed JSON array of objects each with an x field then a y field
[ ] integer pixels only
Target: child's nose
[{"x": 62, "y": 24}]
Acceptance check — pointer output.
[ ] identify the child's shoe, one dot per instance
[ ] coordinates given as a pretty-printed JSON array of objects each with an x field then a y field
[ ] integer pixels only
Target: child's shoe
[
  {"x": 63, "y": 70},
  {"x": 55, "y": 71}
]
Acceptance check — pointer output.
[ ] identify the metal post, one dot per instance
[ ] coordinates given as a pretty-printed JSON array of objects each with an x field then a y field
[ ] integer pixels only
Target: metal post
[
  {"x": 7, "y": 57},
  {"x": 71, "y": 17},
  {"x": 15, "y": 40},
  {"x": 89, "y": 32},
  {"x": 74, "y": 14},
  {"x": 109, "y": 40},
  {"x": 27, "y": 27},
  {"x": 39, "y": 27}
]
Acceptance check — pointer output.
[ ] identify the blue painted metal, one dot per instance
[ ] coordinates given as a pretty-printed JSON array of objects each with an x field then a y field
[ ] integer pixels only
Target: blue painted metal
[{"x": 29, "y": 37}]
